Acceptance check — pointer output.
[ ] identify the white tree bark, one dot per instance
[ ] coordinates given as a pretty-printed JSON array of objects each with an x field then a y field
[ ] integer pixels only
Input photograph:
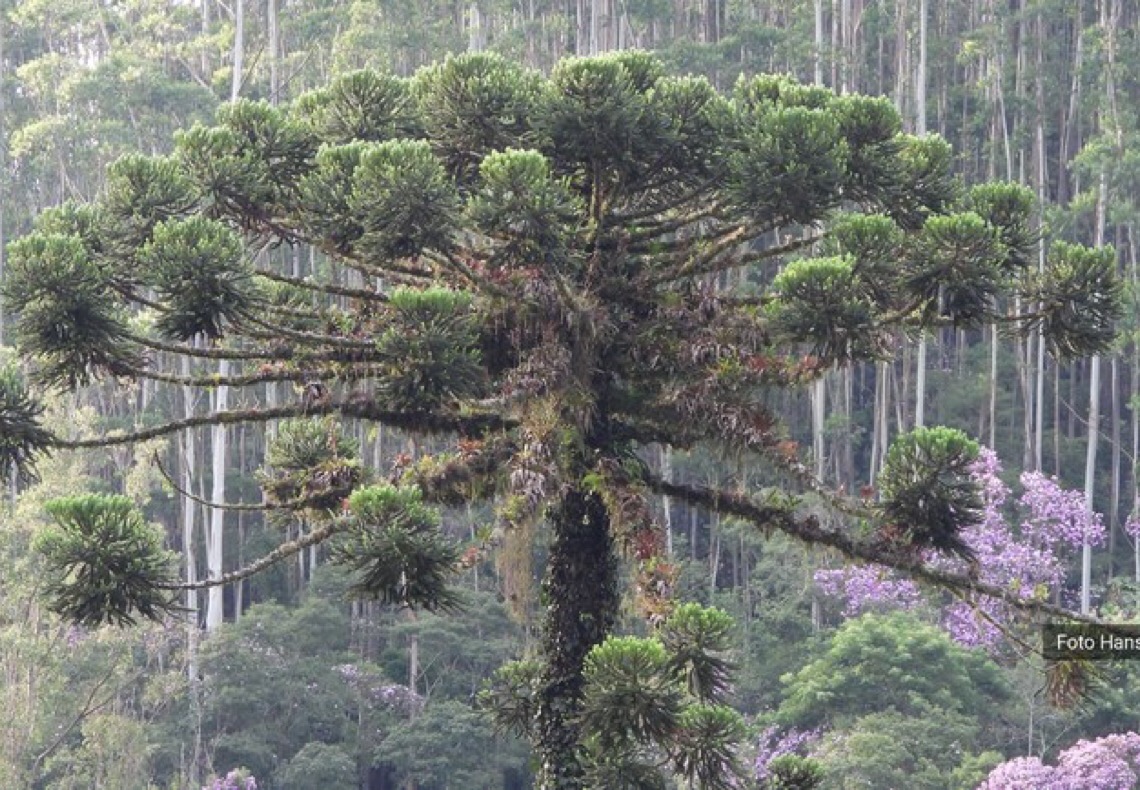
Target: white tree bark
[
  {"x": 273, "y": 31},
  {"x": 239, "y": 50},
  {"x": 189, "y": 521},
  {"x": 215, "y": 544},
  {"x": 818, "y": 54},
  {"x": 1094, "y": 420}
]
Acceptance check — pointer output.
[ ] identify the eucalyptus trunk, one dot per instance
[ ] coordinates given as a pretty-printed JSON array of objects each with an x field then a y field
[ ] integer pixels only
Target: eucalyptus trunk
[
  {"x": 1094, "y": 421},
  {"x": 215, "y": 543}
]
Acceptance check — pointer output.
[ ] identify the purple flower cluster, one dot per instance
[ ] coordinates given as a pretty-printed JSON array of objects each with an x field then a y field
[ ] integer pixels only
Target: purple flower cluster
[
  {"x": 1026, "y": 560},
  {"x": 772, "y": 745},
  {"x": 1132, "y": 525},
  {"x": 1057, "y": 515},
  {"x": 238, "y": 779},
  {"x": 1108, "y": 763},
  {"x": 867, "y": 588},
  {"x": 374, "y": 688}
]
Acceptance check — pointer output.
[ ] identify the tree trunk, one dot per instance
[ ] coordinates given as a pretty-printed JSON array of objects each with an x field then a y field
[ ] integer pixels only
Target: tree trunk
[
  {"x": 1094, "y": 421},
  {"x": 189, "y": 512},
  {"x": 581, "y": 586},
  {"x": 215, "y": 539},
  {"x": 239, "y": 50},
  {"x": 273, "y": 31},
  {"x": 476, "y": 30},
  {"x": 818, "y": 54}
]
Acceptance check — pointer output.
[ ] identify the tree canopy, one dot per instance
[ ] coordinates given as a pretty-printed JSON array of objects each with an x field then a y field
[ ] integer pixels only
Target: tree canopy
[{"x": 537, "y": 269}]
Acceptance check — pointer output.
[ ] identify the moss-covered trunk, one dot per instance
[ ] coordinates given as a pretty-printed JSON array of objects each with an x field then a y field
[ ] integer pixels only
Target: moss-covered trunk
[{"x": 581, "y": 595}]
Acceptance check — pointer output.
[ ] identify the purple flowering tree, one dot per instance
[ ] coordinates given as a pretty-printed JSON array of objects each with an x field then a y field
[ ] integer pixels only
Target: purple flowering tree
[
  {"x": 237, "y": 779},
  {"x": 1108, "y": 763},
  {"x": 1025, "y": 555},
  {"x": 772, "y": 745}
]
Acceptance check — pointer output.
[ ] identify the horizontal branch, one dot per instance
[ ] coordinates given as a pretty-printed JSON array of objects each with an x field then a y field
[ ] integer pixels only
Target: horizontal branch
[
  {"x": 287, "y": 507},
  {"x": 276, "y": 331},
  {"x": 203, "y": 353},
  {"x": 358, "y": 408},
  {"x": 282, "y": 552},
  {"x": 355, "y": 372},
  {"x": 808, "y": 530},
  {"x": 325, "y": 288}
]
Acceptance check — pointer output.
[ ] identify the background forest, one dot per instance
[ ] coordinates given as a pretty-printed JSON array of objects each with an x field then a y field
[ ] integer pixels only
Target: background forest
[{"x": 282, "y": 680}]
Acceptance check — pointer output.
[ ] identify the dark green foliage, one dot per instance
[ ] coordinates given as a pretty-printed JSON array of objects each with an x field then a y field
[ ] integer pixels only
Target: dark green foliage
[
  {"x": 275, "y": 681},
  {"x": 928, "y": 496},
  {"x": 696, "y": 639},
  {"x": 326, "y": 195},
  {"x": 68, "y": 316},
  {"x": 471, "y": 105},
  {"x": 393, "y": 542},
  {"x": 791, "y": 166},
  {"x": 955, "y": 269},
  {"x": 630, "y": 693},
  {"x": 319, "y": 765},
  {"x": 22, "y": 438},
  {"x": 510, "y": 697},
  {"x": 448, "y": 745},
  {"x": 925, "y": 751},
  {"x": 592, "y": 114},
  {"x": 874, "y": 244},
  {"x": 430, "y": 350},
  {"x": 249, "y": 165},
  {"x": 608, "y": 765},
  {"x": 871, "y": 128},
  {"x": 687, "y": 115},
  {"x": 1009, "y": 208},
  {"x": 534, "y": 213},
  {"x": 312, "y": 460},
  {"x": 83, "y": 220},
  {"x": 707, "y": 738},
  {"x": 403, "y": 201},
  {"x": 1080, "y": 299},
  {"x": 644, "y": 707},
  {"x": 196, "y": 265},
  {"x": 792, "y": 772},
  {"x": 762, "y": 92},
  {"x": 105, "y": 563},
  {"x": 142, "y": 191},
  {"x": 820, "y": 301},
  {"x": 880, "y": 662},
  {"x": 362, "y": 106},
  {"x": 926, "y": 187}
]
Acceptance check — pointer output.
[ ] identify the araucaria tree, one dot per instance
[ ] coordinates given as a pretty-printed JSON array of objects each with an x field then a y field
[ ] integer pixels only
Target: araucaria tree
[{"x": 537, "y": 267}]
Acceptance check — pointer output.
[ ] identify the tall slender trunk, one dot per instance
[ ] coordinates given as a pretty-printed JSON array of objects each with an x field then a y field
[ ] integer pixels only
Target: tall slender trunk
[
  {"x": 920, "y": 129},
  {"x": 239, "y": 50},
  {"x": 189, "y": 513},
  {"x": 274, "y": 34},
  {"x": 818, "y": 53},
  {"x": 1094, "y": 419},
  {"x": 215, "y": 544},
  {"x": 1114, "y": 482},
  {"x": 476, "y": 30},
  {"x": 1039, "y": 144},
  {"x": 581, "y": 586},
  {"x": 1134, "y": 275}
]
